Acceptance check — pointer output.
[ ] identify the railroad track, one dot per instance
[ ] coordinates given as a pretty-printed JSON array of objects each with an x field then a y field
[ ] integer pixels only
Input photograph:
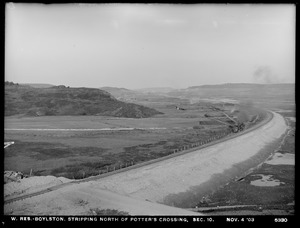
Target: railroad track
[{"x": 93, "y": 178}]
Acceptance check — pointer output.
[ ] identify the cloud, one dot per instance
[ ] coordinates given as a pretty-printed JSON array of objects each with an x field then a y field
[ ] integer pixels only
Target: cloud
[
  {"x": 173, "y": 22},
  {"x": 116, "y": 24},
  {"x": 215, "y": 24}
]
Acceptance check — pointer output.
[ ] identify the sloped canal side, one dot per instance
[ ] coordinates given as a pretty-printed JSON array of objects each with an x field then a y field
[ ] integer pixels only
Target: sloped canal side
[{"x": 270, "y": 186}]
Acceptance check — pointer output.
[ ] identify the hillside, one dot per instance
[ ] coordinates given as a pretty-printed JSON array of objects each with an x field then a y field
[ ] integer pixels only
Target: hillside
[
  {"x": 240, "y": 91},
  {"x": 266, "y": 96},
  {"x": 120, "y": 92},
  {"x": 37, "y": 85},
  {"x": 61, "y": 100},
  {"x": 157, "y": 90},
  {"x": 242, "y": 86}
]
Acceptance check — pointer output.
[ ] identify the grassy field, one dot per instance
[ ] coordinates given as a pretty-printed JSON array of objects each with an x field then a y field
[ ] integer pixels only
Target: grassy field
[{"x": 79, "y": 154}]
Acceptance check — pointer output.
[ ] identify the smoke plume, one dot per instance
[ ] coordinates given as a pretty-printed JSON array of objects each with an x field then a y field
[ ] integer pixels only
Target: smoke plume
[
  {"x": 264, "y": 74},
  {"x": 245, "y": 110}
]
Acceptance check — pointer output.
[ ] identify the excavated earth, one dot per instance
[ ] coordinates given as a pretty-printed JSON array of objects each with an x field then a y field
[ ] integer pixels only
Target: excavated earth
[{"x": 152, "y": 189}]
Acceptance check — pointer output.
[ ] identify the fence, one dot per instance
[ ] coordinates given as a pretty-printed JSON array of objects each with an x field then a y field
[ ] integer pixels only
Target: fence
[
  {"x": 263, "y": 117},
  {"x": 123, "y": 166}
]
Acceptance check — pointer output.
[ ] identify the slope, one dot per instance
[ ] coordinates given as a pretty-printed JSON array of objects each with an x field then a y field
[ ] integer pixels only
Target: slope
[{"x": 61, "y": 100}]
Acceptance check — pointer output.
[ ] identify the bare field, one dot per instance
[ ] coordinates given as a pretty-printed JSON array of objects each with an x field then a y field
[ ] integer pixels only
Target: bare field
[
  {"x": 79, "y": 154},
  {"x": 154, "y": 181}
]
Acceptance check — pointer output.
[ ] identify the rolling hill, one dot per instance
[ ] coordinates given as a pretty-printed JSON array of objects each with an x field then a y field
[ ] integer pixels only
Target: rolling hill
[
  {"x": 238, "y": 91},
  {"x": 61, "y": 100},
  {"x": 262, "y": 95},
  {"x": 121, "y": 92},
  {"x": 37, "y": 85}
]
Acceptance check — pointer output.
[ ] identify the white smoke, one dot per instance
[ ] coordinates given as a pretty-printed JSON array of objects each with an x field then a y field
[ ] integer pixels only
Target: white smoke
[{"x": 264, "y": 74}]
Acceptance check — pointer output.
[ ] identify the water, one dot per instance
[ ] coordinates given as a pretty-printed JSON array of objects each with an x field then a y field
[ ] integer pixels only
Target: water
[
  {"x": 291, "y": 118},
  {"x": 282, "y": 159},
  {"x": 266, "y": 181}
]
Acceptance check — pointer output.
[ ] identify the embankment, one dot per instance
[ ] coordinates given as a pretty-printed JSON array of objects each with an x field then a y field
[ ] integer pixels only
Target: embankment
[{"x": 181, "y": 180}]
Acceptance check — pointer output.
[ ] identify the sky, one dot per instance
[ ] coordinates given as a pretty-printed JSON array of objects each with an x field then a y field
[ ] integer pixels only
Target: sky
[{"x": 149, "y": 45}]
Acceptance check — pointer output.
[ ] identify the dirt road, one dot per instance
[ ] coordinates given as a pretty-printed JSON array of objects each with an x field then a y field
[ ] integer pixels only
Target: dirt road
[{"x": 85, "y": 129}]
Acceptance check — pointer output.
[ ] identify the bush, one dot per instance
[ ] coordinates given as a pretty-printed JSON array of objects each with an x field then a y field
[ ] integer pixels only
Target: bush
[{"x": 98, "y": 211}]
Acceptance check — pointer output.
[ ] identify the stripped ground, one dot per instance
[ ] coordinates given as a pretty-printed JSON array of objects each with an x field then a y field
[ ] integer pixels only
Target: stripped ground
[
  {"x": 169, "y": 181},
  {"x": 30, "y": 185},
  {"x": 269, "y": 186},
  {"x": 80, "y": 146},
  {"x": 84, "y": 199}
]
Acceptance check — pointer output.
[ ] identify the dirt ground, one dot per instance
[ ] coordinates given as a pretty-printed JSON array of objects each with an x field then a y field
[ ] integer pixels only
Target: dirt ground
[
  {"x": 142, "y": 188},
  {"x": 84, "y": 199},
  {"x": 79, "y": 154},
  {"x": 33, "y": 184},
  {"x": 271, "y": 185}
]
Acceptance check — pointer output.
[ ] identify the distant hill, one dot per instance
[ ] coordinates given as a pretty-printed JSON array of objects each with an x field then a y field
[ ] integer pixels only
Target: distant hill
[
  {"x": 259, "y": 94},
  {"x": 237, "y": 91},
  {"x": 243, "y": 86},
  {"x": 119, "y": 92},
  {"x": 162, "y": 90},
  {"x": 37, "y": 85},
  {"x": 144, "y": 97},
  {"x": 61, "y": 100}
]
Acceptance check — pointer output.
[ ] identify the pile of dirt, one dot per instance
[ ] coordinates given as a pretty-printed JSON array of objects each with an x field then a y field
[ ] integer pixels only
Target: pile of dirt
[
  {"x": 31, "y": 184},
  {"x": 11, "y": 176}
]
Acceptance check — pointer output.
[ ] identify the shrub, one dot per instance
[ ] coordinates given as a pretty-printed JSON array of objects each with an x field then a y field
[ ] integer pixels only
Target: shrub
[{"x": 97, "y": 211}]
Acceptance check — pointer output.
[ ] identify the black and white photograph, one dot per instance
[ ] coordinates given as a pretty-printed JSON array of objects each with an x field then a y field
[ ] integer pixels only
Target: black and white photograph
[{"x": 149, "y": 112}]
